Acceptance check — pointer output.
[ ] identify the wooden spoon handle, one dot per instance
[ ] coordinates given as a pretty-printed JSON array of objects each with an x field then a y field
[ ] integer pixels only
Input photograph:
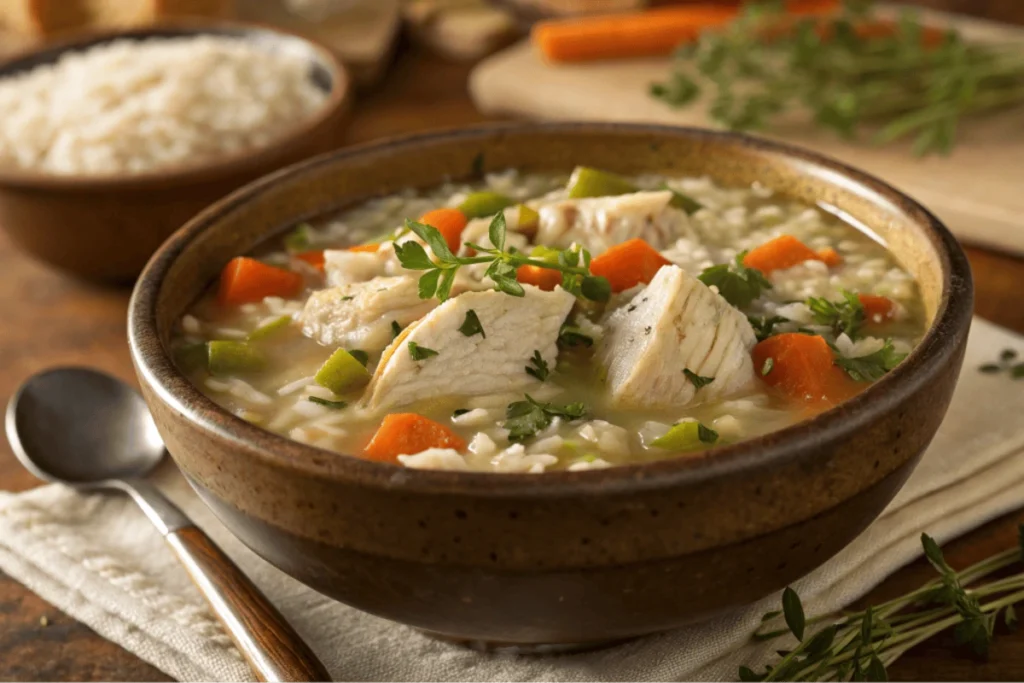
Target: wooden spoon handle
[{"x": 270, "y": 645}]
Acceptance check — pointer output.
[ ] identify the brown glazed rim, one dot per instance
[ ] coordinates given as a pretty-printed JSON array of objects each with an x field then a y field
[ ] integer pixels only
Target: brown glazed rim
[
  {"x": 802, "y": 440},
  {"x": 187, "y": 173}
]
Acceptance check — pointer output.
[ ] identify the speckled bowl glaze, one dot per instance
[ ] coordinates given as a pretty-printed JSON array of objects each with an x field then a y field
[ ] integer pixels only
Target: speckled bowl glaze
[
  {"x": 105, "y": 228},
  {"x": 564, "y": 557}
]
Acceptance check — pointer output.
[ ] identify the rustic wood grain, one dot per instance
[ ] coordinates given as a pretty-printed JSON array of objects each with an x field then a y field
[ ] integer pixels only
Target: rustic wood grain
[{"x": 50, "y": 320}]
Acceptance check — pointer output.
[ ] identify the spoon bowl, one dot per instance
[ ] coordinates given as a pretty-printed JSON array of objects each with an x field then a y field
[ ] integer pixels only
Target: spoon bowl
[
  {"x": 82, "y": 428},
  {"x": 89, "y": 430}
]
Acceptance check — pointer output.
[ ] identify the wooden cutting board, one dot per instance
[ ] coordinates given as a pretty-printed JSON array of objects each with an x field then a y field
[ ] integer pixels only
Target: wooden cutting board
[{"x": 978, "y": 190}]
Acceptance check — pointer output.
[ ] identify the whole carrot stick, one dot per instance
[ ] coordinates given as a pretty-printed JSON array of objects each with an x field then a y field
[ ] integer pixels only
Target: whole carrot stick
[{"x": 643, "y": 34}]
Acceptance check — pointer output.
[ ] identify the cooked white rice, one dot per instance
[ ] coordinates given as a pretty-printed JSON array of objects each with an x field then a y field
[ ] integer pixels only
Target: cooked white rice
[{"x": 135, "y": 106}]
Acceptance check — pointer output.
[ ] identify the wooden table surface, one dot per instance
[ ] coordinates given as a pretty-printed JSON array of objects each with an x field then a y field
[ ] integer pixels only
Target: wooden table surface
[{"x": 50, "y": 320}]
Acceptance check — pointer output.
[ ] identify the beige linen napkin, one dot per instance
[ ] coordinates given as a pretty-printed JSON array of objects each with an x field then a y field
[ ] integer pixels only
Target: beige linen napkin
[{"x": 97, "y": 558}]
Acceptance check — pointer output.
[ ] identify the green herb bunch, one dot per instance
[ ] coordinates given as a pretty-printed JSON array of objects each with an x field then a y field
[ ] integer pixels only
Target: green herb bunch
[
  {"x": 439, "y": 275},
  {"x": 860, "y": 645},
  {"x": 907, "y": 81}
]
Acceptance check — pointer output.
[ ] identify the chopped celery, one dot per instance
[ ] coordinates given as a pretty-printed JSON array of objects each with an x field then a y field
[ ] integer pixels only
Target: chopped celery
[
  {"x": 684, "y": 202},
  {"x": 229, "y": 357},
  {"x": 590, "y": 182},
  {"x": 484, "y": 203},
  {"x": 342, "y": 372},
  {"x": 542, "y": 253},
  {"x": 191, "y": 357},
  {"x": 528, "y": 219},
  {"x": 269, "y": 329},
  {"x": 686, "y": 436}
]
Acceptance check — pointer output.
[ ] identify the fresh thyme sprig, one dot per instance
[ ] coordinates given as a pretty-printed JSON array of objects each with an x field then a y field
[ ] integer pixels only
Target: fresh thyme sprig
[
  {"x": 860, "y": 645},
  {"x": 574, "y": 264},
  {"x": 907, "y": 80}
]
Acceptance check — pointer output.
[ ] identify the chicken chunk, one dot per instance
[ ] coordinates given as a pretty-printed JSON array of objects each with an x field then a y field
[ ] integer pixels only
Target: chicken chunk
[
  {"x": 473, "y": 365},
  {"x": 344, "y": 267},
  {"x": 360, "y": 315},
  {"x": 599, "y": 223},
  {"x": 675, "y": 324}
]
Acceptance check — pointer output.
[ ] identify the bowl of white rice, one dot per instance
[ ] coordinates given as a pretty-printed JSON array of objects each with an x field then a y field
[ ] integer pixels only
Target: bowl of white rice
[{"x": 110, "y": 142}]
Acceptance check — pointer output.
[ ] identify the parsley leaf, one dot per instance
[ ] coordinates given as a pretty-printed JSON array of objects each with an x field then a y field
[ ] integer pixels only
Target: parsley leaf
[
  {"x": 360, "y": 355},
  {"x": 736, "y": 283},
  {"x": 471, "y": 325},
  {"x": 873, "y": 366},
  {"x": 765, "y": 325},
  {"x": 396, "y": 329},
  {"x": 523, "y": 419},
  {"x": 706, "y": 434},
  {"x": 418, "y": 352},
  {"x": 299, "y": 239},
  {"x": 540, "y": 366},
  {"x": 334, "y": 405},
  {"x": 570, "y": 336},
  {"x": 845, "y": 316},
  {"x": 696, "y": 380}
]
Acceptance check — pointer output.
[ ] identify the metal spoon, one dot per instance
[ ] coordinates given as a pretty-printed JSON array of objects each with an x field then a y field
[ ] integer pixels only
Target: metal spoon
[{"x": 89, "y": 430}]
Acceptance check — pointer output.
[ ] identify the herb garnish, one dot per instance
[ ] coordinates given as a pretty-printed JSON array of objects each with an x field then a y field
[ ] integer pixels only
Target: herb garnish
[
  {"x": 908, "y": 81},
  {"x": 569, "y": 336},
  {"x": 396, "y": 329},
  {"x": 1006, "y": 364},
  {"x": 523, "y": 419},
  {"x": 540, "y": 366},
  {"x": 844, "y": 316},
  {"x": 736, "y": 283},
  {"x": 706, "y": 434},
  {"x": 471, "y": 325},
  {"x": 859, "y": 645},
  {"x": 764, "y": 326},
  {"x": 696, "y": 380},
  {"x": 335, "y": 405},
  {"x": 440, "y": 273},
  {"x": 417, "y": 352},
  {"x": 688, "y": 204},
  {"x": 873, "y": 366},
  {"x": 360, "y": 355},
  {"x": 299, "y": 239}
]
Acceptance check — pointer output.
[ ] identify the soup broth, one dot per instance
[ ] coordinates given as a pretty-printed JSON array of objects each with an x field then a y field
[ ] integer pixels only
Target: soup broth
[{"x": 595, "y": 321}]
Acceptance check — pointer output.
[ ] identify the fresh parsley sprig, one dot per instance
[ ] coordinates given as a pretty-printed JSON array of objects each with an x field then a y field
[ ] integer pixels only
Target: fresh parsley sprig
[
  {"x": 737, "y": 284},
  {"x": 523, "y": 419},
  {"x": 439, "y": 275},
  {"x": 844, "y": 316},
  {"x": 860, "y": 645},
  {"x": 873, "y": 366}
]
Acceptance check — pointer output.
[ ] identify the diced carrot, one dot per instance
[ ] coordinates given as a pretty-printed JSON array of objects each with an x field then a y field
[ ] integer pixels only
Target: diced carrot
[
  {"x": 449, "y": 222},
  {"x": 628, "y": 264},
  {"x": 371, "y": 248},
  {"x": 778, "y": 254},
  {"x": 641, "y": 34},
  {"x": 802, "y": 367},
  {"x": 408, "y": 433},
  {"x": 314, "y": 258},
  {"x": 830, "y": 256},
  {"x": 545, "y": 278},
  {"x": 245, "y": 280},
  {"x": 877, "y": 309}
]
